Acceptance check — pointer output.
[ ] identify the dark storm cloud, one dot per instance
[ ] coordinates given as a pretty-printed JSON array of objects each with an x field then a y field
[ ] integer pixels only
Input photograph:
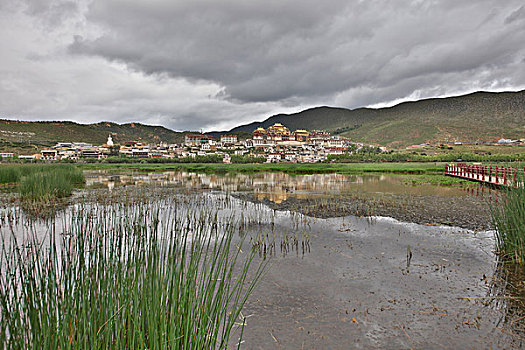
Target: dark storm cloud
[{"x": 272, "y": 51}]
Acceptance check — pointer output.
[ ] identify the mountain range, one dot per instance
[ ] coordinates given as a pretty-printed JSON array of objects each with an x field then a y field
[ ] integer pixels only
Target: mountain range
[{"x": 472, "y": 117}]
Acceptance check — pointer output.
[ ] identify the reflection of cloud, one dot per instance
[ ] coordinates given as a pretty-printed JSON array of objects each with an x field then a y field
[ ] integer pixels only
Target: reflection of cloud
[{"x": 507, "y": 288}]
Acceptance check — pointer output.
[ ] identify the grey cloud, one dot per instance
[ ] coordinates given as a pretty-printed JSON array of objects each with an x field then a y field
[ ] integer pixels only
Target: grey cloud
[
  {"x": 213, "y": 64},
  {"x": 275, "y": 51},
  {"x": 519, "y": 14},
  {"x": 239, "y": 46},
  {"x": 52, "y": 12}
]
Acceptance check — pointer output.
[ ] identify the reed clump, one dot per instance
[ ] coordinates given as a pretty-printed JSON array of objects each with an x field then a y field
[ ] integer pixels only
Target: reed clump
[
  {"x": 44, "y": 182},
  {"x": 508, "y": 216},
  {"x": 124, "y": 276}
]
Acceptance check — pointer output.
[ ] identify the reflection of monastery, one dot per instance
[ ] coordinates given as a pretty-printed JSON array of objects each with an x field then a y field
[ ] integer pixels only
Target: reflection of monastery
[{"x": 276, "y": 187}]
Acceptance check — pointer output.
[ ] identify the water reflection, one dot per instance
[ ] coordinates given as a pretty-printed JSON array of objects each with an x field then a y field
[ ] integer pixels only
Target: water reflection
[
  {"x": 275, "y": 187},
  {"x": 507, "y": 292}
]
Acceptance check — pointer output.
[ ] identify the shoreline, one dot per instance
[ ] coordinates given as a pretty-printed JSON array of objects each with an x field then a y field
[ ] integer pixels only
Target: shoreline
[{"x": 290, "y": 168}]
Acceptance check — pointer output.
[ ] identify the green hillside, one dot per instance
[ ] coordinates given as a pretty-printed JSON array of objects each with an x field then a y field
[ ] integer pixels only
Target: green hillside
[
  {"x": 27, "y": 136},
  {"x": 477, "y": 116}
]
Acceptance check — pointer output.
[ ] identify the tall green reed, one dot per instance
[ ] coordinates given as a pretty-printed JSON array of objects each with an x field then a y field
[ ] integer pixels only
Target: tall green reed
[
  {"x": 51, "y": 183},
  {"x": 42, "y": 182},
  {"x": 125, "y": 276},
  {"x": 14, "y": 173},
  {"x": 508, "y": 216}
]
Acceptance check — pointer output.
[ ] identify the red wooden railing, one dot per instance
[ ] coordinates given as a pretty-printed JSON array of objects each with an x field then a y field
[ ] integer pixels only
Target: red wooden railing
[{"x": 505, "y": 176}]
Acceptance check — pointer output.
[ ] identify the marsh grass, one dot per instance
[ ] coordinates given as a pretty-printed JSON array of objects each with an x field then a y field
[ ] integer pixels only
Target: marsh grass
[
  {"x": 14, "y": 173},
  {"x": 42, "y": 183},
  {"x": 49, "y": 184},
  {"x": 508, "y": 216},
  {"x": 124, "y": 276}
]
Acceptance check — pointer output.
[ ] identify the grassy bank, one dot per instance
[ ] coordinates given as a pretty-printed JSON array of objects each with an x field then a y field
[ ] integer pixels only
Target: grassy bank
[
  {"x": 131, "y": 275},
  {"x": 422, "y": 156},
  {"x": 289, "y": 168},
  {"x": 438, "y": 179},
  {"x": 42, "y": 182}
]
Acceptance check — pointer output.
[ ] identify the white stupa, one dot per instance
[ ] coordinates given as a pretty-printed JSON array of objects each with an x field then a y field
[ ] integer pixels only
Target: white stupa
[{"x": 110, "y": 141}]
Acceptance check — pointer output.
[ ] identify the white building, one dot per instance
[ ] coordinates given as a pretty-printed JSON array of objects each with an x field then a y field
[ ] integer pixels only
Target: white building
[
  {"x": 228, "y": 139},
  {"x": 49, "y": 154}
]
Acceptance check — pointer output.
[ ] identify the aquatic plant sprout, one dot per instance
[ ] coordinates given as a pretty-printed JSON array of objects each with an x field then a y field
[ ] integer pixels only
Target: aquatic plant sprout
[{"x": 139, "y": 273}]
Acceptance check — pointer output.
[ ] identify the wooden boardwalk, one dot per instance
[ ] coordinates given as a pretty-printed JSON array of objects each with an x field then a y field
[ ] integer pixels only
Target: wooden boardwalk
[{"x": 499, "y": 176}]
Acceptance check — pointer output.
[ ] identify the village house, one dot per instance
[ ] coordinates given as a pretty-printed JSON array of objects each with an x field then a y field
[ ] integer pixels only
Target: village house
[
  {"x": 49, "y": 154},
  {"x": 196, "y": 140},
  {"x": 140, "y": 152},
  {"x": 276, "y": 143},
  {"x": 228, "y": 139}
]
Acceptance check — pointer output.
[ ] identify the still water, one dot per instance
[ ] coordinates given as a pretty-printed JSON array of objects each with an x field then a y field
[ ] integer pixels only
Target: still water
[{"x": 276, "y": 187}]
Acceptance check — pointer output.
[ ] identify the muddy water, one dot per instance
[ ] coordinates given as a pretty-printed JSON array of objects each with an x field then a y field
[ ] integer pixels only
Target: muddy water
[{"x": 364, "y": 282}]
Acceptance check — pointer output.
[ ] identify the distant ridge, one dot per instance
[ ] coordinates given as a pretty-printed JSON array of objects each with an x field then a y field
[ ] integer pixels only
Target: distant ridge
[
  {"x": 61, "y": 131},
  {"x": 472, "y": 117}
]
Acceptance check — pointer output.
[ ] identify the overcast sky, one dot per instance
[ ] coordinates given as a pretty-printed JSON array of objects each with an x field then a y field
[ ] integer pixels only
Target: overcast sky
[{"x": 210, "y": 64}]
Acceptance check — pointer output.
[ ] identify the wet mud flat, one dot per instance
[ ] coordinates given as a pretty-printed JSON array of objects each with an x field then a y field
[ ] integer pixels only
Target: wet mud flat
[
  {"x": 379, "y": 283},
  {"x": 468, "y": 212}
]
